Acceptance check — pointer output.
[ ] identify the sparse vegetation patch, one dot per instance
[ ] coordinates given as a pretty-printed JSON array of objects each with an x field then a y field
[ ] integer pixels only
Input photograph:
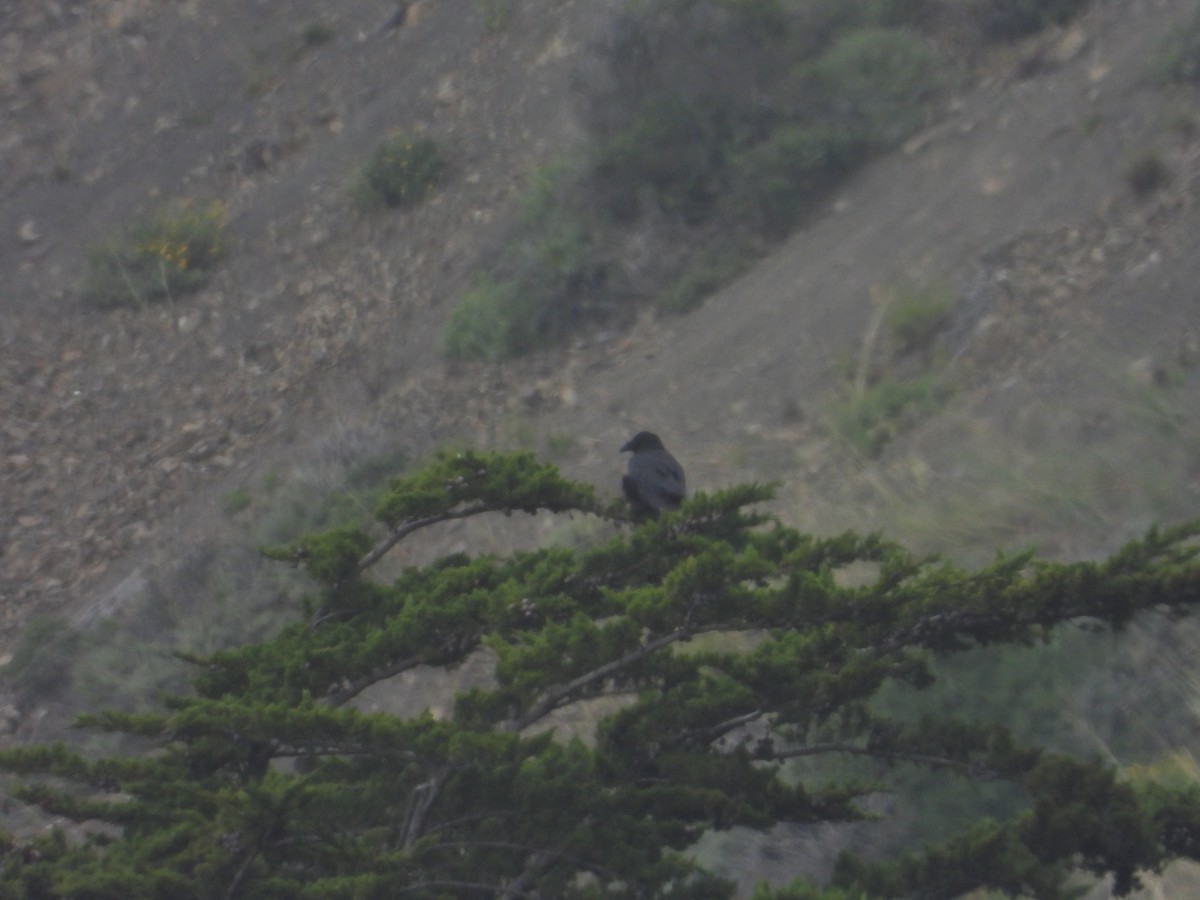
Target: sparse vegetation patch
[
  {"x": 1178, "y": 58},
  {"x": 495, "y": 14},
  {"x": 705, "y": 274},
  {"x": 162, "y": 256},
  {"x": 316, "y": 33},
  {"x": 400, "y": 171},
  {"x": 885, "y": 410},
  {"x": 1147, "y": 172},
  {"x": 714, "y": 130},
  {"x": 487, "y": 323},
  {"x": 917, "y": 315},
  {"x": 236, "y": 500},
  {"x": 550, "y": 277},
  {"x": 895, "y": 382}
]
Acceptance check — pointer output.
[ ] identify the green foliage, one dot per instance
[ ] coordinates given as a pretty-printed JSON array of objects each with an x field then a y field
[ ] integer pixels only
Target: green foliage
[
  {"x": 161, "y": 256},
  {"x": 545, "y": 281},
  {"x": 491, "y": 322},
  {"x": 780, "y": 177},
  {"x": 887, "y": 408},
  {"x": 1081, "y": 816},
  {"x": 481, "y": 482},
  {"x": 705, "y": 274},
  {"x": 675, "y": 152},
  {"x": 496, "y": 14},
  {"x": 681, "y": 149},
  {"x": 400, "y": 171},
  {"x": 316, "y": 33},
  {"x": 236, "y": 501},
  {"x": 917, "y": 315},
  {"x": 880, "y": 81},
  {"x": 39, "y": 664},
  {"x": 1178, "y": 59},
  {"x": 711, "y": 126},
  {"x": 267, "y": 782},
  {"x": 714, "y": 124}
]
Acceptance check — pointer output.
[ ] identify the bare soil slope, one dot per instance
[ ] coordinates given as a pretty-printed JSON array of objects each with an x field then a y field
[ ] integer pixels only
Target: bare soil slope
[{"x": 110, "y": 421}]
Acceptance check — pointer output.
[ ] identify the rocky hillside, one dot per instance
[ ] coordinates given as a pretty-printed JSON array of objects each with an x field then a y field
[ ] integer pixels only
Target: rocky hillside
[{"x": 111, "y": 421}]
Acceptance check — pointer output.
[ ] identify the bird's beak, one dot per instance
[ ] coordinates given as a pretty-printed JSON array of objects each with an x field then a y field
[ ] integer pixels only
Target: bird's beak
[{"x": 625, "y": 448}]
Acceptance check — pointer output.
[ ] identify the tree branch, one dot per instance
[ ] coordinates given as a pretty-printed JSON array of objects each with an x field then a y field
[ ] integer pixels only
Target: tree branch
[
  {"x": 356, "y": 687},
  {"x": 295, "y": 751},
  {"x": 422, "y": 799},
  {"x": 539, "y": 861},
  {"x": 236, "y": 884},
  {"x": 552, "y": 698},
  {"x": 718, "y": 731},
  {"x": 404, "y": 529},
  {"x": 925, "y": 759}
]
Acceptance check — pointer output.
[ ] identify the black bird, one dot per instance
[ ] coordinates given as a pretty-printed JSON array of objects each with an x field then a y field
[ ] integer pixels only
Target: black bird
[{"x": 654, "y": 480}]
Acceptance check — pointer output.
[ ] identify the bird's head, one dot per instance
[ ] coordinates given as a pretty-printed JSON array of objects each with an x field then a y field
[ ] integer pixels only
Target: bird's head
[{"x": 643, "y": 440}]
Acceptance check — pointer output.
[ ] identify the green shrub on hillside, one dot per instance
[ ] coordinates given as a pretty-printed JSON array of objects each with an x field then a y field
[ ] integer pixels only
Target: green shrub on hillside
[
  {"x": 917, "y": 315},
  {"x": 779, "y": 178},
  {"x": 496, "y": 14},
  {"x": 1146, "y": 172},
  {"x": 37, "y": 667},
  {"x": 718, "y": 123},
  {"x": 891, "y": 406},
  {"x": 1178, "y": 59},
  {"x": 706, "y": 273},
  {"x": 542, "y": 284},
  {"x": 491, "y": 322},
  {"x": 543, "y": 293},
  {"x": 163, "y": 255},
  {"x": 674, "y": 155},
  {"x": 400, "y": 171},
  {"x": 316, "y": 33},
  {"x": 878, "y": 84}
]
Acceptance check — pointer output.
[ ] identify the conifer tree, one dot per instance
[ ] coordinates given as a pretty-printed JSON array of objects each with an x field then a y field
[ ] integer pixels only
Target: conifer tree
[{"x": 266, "y": 781}]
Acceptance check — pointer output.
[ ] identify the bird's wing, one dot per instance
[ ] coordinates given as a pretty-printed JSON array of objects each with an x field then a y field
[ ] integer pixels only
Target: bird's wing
[
  {"x": 660, "y": 478},
  {"x": 670, "y": 476}
]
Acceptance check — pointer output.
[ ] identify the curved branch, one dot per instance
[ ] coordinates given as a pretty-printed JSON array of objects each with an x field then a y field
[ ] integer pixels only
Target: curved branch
[
  {"x": 554, "y": 697},
  {"x": 356, "y": 687},
  {"x": 295, "y": 751},
  {"x": 924, "y": 759},
  {"x": 407, "y": 527},
  {"x": 239, "y": 876},
  {"x": 422, "y": 800},
  {"x": 718, "y": 731},
  {"x": 539, "y": 861}
]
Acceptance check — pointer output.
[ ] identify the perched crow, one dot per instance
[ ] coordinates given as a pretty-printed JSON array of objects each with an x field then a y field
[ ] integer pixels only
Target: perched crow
[{"x": 654, "y": 481}]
